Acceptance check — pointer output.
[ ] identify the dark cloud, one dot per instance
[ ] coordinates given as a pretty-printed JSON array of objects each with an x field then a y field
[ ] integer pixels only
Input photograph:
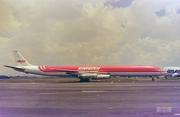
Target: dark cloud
[
  {"x": 178, "y": 11},
  {"x": 119, "y": 3},
  {"x": 160, "y": 13}
]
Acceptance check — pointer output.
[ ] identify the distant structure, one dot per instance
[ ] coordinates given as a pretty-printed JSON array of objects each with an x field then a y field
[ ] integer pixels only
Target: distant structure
[{"x": 4, "y": 76}]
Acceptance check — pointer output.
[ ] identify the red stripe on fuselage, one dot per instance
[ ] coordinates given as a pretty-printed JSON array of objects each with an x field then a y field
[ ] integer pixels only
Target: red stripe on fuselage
[{"x": 102, "y": 68}]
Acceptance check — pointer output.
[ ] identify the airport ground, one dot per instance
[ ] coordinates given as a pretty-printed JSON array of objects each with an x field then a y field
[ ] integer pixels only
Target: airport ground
[{"x": 108, "y": 98}]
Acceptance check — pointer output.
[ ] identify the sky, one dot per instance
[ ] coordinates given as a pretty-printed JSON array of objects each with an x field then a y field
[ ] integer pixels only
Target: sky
[{"x": 90, "y": 32}]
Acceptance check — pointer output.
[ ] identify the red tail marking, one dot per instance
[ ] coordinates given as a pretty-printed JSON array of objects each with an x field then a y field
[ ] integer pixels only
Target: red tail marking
[{"x": 21, "y": 61}]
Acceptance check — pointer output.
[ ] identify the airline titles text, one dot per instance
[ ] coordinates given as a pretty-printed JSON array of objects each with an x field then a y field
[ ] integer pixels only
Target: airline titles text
[{"x": 89, "y": 68}]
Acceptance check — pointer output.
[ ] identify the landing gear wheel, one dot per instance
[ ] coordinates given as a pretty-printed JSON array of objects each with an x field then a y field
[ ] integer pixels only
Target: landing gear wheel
[
  {"x": 152, "y": 78},
  {"x": 84, "y": 80}
]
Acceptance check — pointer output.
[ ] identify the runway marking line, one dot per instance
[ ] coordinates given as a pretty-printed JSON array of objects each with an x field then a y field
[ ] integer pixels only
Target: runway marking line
[
  {"x": 92, "y": 91},
  {"x": 53, "y": 93},
  {"x": 79, "y": 92}
]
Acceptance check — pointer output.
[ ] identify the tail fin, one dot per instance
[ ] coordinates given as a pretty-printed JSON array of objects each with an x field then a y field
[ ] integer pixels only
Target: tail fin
[{"x": 20, "y": 60}]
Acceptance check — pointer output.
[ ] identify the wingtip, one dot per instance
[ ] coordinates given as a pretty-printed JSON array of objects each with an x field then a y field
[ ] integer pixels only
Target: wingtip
[{"x": 6, "y": 66}]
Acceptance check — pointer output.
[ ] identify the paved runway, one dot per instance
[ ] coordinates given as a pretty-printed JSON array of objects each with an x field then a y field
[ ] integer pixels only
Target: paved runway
[{"x": 98, "y": 99}]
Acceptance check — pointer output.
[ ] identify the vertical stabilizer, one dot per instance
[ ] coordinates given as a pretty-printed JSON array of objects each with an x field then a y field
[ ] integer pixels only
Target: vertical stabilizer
[{"x": 20, "y": 60}]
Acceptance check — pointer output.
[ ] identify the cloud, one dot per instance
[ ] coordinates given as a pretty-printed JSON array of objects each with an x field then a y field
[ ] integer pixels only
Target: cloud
[
  {"x": 8, "y": 22},
  {"x": 160, "y": 13},
  {"x": 78, "y": 32},
  {"x": 119, "y": 3}
]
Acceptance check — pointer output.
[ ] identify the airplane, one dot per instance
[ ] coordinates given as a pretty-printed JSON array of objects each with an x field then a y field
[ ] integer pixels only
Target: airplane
[
  {"x": 85, "y": 73},
  {"x": 172, "y": 71}
]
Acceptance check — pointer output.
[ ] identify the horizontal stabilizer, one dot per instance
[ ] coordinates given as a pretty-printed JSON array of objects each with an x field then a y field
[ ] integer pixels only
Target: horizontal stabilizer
[{"x": 15, "y": 68}]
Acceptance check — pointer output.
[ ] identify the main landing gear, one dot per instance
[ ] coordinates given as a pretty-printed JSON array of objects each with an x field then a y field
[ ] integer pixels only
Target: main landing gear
[
  {"x": 84, "y": 80},
  {"x": 153, "y": 79}
]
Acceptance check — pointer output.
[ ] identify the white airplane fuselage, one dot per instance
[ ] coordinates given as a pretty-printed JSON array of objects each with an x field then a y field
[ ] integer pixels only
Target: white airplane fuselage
[
  {"x": 147, "y": 71},
  {"x": 86, "y": 72},
  {"x": 172, "y": 71}
]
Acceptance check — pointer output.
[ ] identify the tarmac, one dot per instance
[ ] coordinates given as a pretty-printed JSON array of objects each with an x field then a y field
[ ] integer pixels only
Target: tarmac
[{"x": 94, "y": 99}]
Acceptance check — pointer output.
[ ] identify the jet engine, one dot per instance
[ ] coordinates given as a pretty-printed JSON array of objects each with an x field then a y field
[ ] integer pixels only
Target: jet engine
[
  {"x": 103, "y": 76},
  {"x": 176, "y": 75},
  {"x": 87, "y": 75},
  {"x": 94, "y": 76}
]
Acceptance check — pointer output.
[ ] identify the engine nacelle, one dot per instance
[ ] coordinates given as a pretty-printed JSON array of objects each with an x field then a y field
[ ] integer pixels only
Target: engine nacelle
[
  {"x": 88, "y": 75},
  {"x": 103, "y": 76},
  {"x": 93, "y": 76},
  {"x": 175, "y": 75}
]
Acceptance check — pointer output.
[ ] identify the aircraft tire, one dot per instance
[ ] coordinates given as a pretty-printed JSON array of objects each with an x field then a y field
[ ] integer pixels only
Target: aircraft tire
[
  {"x": 153, "y": 79},
  {"x": 84, "y": 80}
]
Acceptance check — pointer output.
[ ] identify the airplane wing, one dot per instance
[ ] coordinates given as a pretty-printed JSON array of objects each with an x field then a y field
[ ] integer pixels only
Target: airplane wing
[
  {"x": 74, "y": 72},
  {"x": 62, "y": 70},
  {"x": 15, "y": 68},
  {"x": 71, "y": 72}
]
